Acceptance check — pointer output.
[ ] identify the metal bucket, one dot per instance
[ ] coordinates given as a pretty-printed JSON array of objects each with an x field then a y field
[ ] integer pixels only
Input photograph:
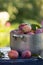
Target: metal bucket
[{"x": 34, "y": 43}]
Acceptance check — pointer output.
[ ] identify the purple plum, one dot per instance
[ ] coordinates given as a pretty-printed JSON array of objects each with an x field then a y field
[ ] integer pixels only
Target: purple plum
[
  {"x": 39, "y": 31},
  {"x": 25, "y": 28},
  {"x": 31, "y": 33},
  {"x": 26, "y": 54}
]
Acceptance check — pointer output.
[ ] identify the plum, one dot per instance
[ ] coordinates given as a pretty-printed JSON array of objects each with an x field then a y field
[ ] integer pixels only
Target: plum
[
  {"x": 31, "y": 33},
  {"x": 13, "y": 54},
  {"x": 8, "y": 24},
  {"x": 21, "y": 26},
  {"x": 14, "y": 31},
  {"x": 26, "y": 54},
  {"x": 25, "y": 28},
  {"x": 20, "y": 32},
  {"x": 39, "y": 31}
]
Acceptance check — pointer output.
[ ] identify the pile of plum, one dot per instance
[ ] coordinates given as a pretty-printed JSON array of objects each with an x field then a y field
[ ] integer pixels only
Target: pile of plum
[
  {"x": 14, "y": 54},
  {"x": 30, "y": 29},
  {"x": 25, "y": 29}
]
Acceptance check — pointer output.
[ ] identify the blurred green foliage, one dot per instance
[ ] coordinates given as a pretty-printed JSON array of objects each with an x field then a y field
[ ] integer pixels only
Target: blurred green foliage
[
  {"x": 20, "y": 10},
  {"x": 28, "y": 11}
]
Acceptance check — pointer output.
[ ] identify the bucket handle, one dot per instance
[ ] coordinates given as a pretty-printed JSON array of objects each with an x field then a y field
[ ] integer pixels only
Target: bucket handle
[{"x": 18, "y": 36}]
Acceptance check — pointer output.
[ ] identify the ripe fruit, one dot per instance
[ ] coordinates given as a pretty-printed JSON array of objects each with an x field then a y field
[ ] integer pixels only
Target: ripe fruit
[
  {"x": 8, "y": 24},
  {"x": 13, "y": 54},
  {"x": 21, "y": 26},
  {"x": 25, "y": 28},
  {"x": 20, "y": 32},
  {"x": 26, "y": 54},
  {"x": 31, "y": 33},
  {"x": 39, "y": 31}
]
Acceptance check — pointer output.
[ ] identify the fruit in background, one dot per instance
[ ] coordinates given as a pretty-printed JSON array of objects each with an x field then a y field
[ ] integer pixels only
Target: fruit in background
[
  {"x": 39, "y": 31},
  {"x": 26, "y": 54},
  {"x": 8, "y": 24},
  {"x": 25, "y": 28},
  {"x": 13, "y": 54}
]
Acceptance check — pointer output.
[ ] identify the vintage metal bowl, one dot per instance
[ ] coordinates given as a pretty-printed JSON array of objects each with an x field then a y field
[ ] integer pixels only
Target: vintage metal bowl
[{"x": 34, "y": 43}]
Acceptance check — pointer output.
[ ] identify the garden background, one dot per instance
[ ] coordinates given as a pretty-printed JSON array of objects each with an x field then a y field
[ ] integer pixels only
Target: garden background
[{"x": 15, "y": 12}]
